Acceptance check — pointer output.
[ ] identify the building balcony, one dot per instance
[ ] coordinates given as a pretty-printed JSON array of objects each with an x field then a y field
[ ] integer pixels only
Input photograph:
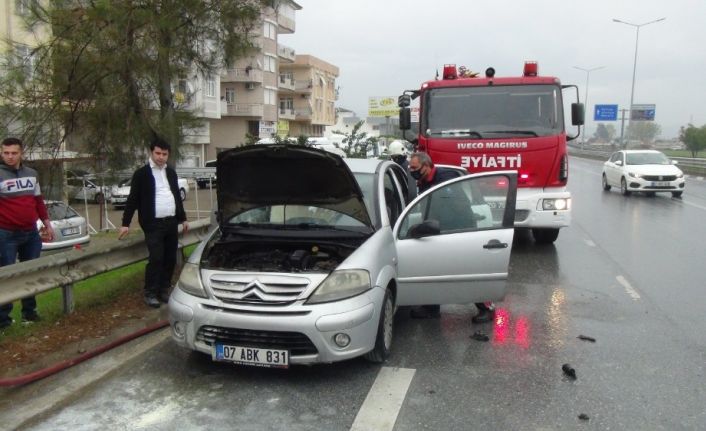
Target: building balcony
[
  {"x": 303, "y": 86},
  {"x": 242, "y": 75},
  {"x": 286, "y": 53},
  {"x": 286, "y": 114},
  {"x": 286, "y": 24},
  {"x": 243, "y": 110},
  {"x": 286, "y": 83},
  {"x": 303, "y": 114}
]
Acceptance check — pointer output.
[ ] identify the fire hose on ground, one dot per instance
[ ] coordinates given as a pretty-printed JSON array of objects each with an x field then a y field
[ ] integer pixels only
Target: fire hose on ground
[{"x": 46, "y": 372}]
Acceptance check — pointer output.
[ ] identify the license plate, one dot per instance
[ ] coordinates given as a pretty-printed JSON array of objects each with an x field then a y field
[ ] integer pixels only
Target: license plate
[
  {"x": 119, "y": 200},
  {"x": 252, "y": 356},
  {"x": 496, "y": 205},
  {"x": 660, "y": 183},
  {"x": 70, "y": 231}
]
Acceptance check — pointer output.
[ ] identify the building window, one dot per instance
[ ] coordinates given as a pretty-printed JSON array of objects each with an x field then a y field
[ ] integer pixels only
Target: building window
[
  {"x": 26, "y": 59},
  {"x": 270, "y": 63},
  {"x": 210, "y": 87},
  {"x": 230, "y": 95},
  {"x": 22, "y": 7},
  {"x": 270, "y": 97},
  {"x": 269, "y": 30}
]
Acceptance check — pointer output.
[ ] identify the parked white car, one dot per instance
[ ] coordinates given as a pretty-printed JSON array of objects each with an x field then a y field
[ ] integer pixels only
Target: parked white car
[
  {"x": 70, "y": 229},
  {"x": 648, "y": 171},
  {"x": 313, "y": 254},
  {"x": 82, "y": 186},
  {"x": 120, "y": 192}
]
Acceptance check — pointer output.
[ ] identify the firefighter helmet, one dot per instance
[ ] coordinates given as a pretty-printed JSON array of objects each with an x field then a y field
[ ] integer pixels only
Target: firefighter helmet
[{"x": 397, "y": 148}]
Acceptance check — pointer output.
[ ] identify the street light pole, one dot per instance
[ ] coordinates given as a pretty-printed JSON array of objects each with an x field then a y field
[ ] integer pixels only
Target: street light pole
[
  {"x": 585, "y": 99},
  {"x": 634, "y": 66}
]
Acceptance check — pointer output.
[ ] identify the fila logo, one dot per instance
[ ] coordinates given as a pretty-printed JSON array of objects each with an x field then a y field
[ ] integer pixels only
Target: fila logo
[{"x": 18, "y": 184}]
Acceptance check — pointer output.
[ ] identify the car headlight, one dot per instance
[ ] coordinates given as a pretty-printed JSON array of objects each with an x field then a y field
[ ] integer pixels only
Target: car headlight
[
  {"x": 556, "y": 204},
  {"x": 340, "y": 285},
  {"x": 680, "y": 175},
  {"x": 634, "y": 175},
  {"x": 190, "y": 281}
]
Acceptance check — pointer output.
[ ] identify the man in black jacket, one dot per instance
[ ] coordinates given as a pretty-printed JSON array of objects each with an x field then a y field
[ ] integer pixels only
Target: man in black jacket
[
  {"x": 427, "y": 176},
  {"x": 154, "y": 193}
]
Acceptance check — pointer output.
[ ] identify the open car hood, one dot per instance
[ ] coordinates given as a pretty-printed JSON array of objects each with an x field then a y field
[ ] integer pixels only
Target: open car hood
[{"x": 278, "y": 174}]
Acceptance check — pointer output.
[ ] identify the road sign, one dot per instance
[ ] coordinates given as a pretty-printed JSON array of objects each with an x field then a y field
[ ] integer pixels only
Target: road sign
[
  {"x": 642, "y": 113},
  {"x": 605, "y": 113}
]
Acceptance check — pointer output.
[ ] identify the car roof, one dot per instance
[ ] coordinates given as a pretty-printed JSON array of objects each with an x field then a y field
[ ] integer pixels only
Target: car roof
[
  {"x": 640, "y": 151},
  {"x": 366, "y": 166}
]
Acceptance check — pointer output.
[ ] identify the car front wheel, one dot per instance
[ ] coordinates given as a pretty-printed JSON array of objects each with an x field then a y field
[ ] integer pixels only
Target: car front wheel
[
  {"x": 606, "y": 186},
  {"x": 383, "y": 341},
  {"x": 182, "y": 194},
  {"x": 677, "y": 194},
  {"x": 624, "y": 187},
  {"x": 545, "y": 235}
]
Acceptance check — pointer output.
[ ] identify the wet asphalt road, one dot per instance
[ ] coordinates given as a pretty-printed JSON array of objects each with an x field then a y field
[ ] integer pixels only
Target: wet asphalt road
[{"x": 628, "y": 272}]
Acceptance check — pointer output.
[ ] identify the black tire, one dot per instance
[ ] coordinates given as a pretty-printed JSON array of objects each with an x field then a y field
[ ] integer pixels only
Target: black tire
[
  {"x": 624, "y": 187},
  {"x": 182, "y": 194},
  {"x": 545, "y": 235},
  {"x": 677, "y": 194},
  {"x": 606, "y": 186},
  {"x": 383, "y": 341},
  {"x": 99, "y": 198}
]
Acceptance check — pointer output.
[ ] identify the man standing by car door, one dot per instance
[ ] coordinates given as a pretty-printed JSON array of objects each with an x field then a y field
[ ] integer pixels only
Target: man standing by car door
[
  {"x": 154, "y": 193},
  {"x": 427, "y": 175},
  {"x": 21, "y": 205}
]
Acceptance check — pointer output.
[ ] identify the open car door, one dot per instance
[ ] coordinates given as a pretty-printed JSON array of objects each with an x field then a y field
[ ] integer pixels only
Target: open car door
[{"x": 454, "y": 241}]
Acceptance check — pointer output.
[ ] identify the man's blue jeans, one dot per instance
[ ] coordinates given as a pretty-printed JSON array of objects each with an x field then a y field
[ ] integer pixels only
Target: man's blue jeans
[{"x": 25, "y": 245}]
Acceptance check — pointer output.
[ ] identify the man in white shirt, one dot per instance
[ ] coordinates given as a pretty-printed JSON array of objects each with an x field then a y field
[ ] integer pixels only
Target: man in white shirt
[{"x": 154, "y": 193}]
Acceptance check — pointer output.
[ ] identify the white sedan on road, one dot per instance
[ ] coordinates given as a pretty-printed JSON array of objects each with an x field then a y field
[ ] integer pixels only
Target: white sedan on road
[{"x": 648, "y": 171}]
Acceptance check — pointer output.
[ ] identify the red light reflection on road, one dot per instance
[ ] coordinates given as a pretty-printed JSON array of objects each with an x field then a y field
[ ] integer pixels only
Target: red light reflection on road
[{"x": 507, "y": 330}]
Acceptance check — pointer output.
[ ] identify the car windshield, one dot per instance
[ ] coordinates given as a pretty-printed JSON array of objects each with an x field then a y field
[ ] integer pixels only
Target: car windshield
[
  {"x": 300, "y": 216},
  {"x": 59, "y": 211},
  {"x": 646, "y": 159}
]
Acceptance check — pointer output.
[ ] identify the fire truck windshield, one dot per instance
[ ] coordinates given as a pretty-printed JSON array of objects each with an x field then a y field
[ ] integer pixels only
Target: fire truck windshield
[{"x": 493, "y": 111}]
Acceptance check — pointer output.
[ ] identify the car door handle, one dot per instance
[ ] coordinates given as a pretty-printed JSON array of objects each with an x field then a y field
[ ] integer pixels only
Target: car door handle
[{"x": 494, "y": 243}]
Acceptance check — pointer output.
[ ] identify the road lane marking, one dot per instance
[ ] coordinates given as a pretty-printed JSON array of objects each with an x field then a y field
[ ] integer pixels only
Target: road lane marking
[
  {"x": 384, "y": 401},
  {"x": 589, "y": 243},
  {"x": 628, "y": 288}
]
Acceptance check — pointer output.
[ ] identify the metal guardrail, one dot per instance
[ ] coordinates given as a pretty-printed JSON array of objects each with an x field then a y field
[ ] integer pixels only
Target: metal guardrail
[
  {"x": 688, "y": 165},
  {"x": 62, "y": 270}
]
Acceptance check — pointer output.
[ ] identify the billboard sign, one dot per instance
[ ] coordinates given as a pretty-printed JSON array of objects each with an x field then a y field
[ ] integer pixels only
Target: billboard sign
[
  {"x": 605, "y": 112},
  {"x": 642, "y": 113},
  {"x": 383, "y": 107}
]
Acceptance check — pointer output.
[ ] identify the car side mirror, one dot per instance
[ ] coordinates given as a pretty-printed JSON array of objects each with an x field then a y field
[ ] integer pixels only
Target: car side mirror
[
  {"x": 619, "y": 163},
  {"x": 426, "y": 228},
  {"x": 675, "y": 162},
  {"x": 577, "y": 114}
]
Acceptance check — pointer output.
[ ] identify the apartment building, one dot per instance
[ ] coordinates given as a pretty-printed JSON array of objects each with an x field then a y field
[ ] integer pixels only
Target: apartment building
[{"x": 307, "y": 96}]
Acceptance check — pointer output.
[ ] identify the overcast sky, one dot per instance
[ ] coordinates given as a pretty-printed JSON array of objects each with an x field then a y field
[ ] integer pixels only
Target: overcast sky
[{"x": 385, "y": 47}]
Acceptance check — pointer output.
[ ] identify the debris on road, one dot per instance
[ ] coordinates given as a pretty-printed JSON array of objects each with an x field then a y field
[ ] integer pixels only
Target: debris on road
[
  {"x": 583, "y": 417},
  {"x": 569, "y": 371},
  {"x": 479, "y": 336},
  {"x": 586, "y": 338}
]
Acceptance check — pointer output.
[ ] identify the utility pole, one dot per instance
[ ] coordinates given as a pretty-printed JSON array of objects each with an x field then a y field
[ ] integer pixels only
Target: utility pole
[{"x": 622, "y": 127}]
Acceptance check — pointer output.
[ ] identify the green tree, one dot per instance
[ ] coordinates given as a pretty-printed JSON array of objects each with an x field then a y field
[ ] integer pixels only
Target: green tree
[
  {"x": 114, "y": 74},
  {"x": 604, "y": 133},
  {"x": 356, "y": 143},
  {"x": 644, "y": 131},
  {"x": 694, "y": 138}
]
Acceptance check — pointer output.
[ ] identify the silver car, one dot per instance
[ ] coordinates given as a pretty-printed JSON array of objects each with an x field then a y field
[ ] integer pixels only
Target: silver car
[
  {"x": 70, "y": 229},
  {"x": 313, "y": 254}
]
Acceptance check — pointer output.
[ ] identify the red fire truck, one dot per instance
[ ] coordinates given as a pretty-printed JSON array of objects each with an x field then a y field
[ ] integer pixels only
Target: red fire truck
[{"x": 498, "y": 123}]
